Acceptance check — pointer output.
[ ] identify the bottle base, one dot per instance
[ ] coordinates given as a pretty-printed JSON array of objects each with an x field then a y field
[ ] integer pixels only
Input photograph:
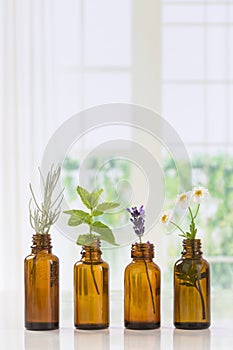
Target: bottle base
[
  {"x": 141, "y": 325},
  {"x": 192, "y": 325},
  {"x": 41, "y": 326},
  {"x": 91, "y": 326}
]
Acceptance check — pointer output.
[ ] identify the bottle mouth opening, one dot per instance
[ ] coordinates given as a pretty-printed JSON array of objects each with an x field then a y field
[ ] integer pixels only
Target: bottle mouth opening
[
  {"x": 42, "y": 240},
  {"x": 94, "y": 245},
  {"x": 146, "y": 245},
  {"x": 192, "y": 246},
  {"x": 142, "y": 250},
  {"x": 192, "y": 242}
]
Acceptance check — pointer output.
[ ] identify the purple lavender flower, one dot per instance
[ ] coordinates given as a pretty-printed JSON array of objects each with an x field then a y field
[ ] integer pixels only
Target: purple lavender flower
[{"x": 138, "y": 220}]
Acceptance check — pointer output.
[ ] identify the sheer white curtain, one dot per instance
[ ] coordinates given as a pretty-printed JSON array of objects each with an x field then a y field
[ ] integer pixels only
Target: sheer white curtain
[{"x": 25, "y": 36}]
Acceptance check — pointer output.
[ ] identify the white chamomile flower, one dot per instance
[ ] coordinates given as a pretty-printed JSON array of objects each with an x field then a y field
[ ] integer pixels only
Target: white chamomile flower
[
  {"x": 183, "y": 200},
  {"x": 166, "y": 218},
  {"x": 199, "y": 194}
]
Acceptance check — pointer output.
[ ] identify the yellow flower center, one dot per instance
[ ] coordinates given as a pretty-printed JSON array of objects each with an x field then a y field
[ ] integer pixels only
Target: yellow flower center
[
  {"x": 164, "y": 218},
  {"x": 198, "y": 193},
  {"x": 183, "y": 197}
]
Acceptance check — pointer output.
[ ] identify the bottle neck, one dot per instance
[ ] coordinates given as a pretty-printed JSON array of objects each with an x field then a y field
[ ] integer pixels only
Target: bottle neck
[
  {"x": 41, "y": 242},
  {"x": 142, "y": 251},
  {"x": 191, "y": 249},
  {"x": 92, "y": 252}
]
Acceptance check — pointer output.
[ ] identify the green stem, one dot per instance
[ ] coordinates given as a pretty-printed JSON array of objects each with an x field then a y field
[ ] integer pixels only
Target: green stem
[
  {"x": 191, "y": 214},
  {"x": 173, "y": 223},
  {"x": 151, "y": 292},
  {"x": 90, "y": 225},
  {"x": 192, "y": 225},
  {"x": 92, "y": 268},
  {"x": 202, "y": 299},
  {"x": 148, "y": 278},
  {"x": 93, "y": 274},
  {"x": 196, "y": 211}
]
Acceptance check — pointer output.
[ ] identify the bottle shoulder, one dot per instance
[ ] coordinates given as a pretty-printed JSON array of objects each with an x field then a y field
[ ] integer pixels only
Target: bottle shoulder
[
  {"x": 183, "y": 260},
  {"x": 140, "y": 264},
  {"x": 156, "y": 266},
  {"x": 185, "y": 264},
  {"x": 82, "y": 264},
  {"x": 54, "y": 258},
  {"x": 41, "y": 256},
  {"x": 29, "y": 257}
]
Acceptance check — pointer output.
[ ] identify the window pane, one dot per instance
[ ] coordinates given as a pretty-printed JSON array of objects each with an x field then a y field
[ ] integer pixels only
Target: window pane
[
  {"x": 107, "y": 32},
  {"x": 217, "y": 56},
  {"x": 183, "y": 52},
  {"x": 216, "y": 107},
  {"x": 179, "y": 1},
  {"x": 230, "y": 55},
  {"x": 67, "y": 32},
  {"x": 218, "y": 1},
  {"x": 182, "y": 13},
  {"x": 183, "y": 107},
  {"x": 230, "y": 12},
  {"x": 216, "y": 13},
  {"x": 231, "y": 111},
  {"x": 107, "y": 87},
  {"x": 68, "y": 94}
]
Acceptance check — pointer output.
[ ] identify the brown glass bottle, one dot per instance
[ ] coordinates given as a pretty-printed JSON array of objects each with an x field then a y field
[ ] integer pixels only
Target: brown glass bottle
[
  {"x": 191, "y": 288},
  {"x": 41, "y": 278},
  {"x": 91, "y": 295},
  {"x": 142, "y": 289}
]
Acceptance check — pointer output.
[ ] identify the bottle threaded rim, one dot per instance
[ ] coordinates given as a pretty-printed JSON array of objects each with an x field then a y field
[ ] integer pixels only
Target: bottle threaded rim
[{"x": 142, "y": 250}]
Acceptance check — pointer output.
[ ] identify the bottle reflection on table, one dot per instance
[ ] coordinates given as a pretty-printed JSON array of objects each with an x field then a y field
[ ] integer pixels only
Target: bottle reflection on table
[
  {"x": 191, "y": 340},
  {"x": 47, "y": 340},
  {"x": 98, "y": 339},
  {"x": 138, "y": 340}
]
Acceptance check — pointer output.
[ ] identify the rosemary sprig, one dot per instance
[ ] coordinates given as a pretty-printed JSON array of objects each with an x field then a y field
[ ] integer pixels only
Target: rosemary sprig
[
  {"x": 192, "y": 278},
  {"x": 43, "y": 216}
]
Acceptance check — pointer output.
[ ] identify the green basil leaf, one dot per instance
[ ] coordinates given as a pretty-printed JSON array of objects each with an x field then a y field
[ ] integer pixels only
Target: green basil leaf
[
  {"x": 85, "y": 239},
  {"x": 97, "y": 212},
  {"x": 70, "y": 212},
  {"x": 106, "y": 206},
  {"x": 74, "y": 221},
  {"x": 85, "y": 196},
  {"x": 94, "y": 198},
  {"x": 104, "y": 231},
  {"x": 82, "y": 215}
]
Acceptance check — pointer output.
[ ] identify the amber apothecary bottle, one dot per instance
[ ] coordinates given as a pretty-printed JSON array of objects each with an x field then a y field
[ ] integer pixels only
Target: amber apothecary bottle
[
  {"x": 142, "y": 289},
  {"x": 91, "y": 290},
  {"x": 191, "y": 288},
  {"x": 41, "y": 278}
]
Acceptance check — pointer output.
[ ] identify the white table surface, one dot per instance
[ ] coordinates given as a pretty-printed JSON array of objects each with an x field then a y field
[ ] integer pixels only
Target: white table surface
[
  {"x": 167, "y": 338},
  {"x": 13, "y": 335}
]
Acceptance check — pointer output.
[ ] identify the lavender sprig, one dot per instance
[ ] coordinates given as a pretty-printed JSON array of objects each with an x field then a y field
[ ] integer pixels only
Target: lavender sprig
[{"x": 138, "y": 220}]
